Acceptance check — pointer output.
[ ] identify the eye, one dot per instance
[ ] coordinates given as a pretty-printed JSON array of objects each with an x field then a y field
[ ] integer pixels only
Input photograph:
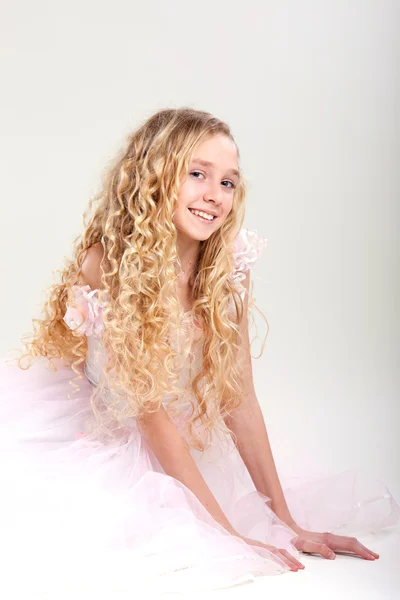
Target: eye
[
  {"x": 233, "y": 186},
  {"x": 196, "y": 172}
]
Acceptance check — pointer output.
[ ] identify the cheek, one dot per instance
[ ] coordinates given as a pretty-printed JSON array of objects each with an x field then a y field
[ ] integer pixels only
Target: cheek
[
  {"x": 228, "y": 207},
  {"x": 186, "y": 194}
]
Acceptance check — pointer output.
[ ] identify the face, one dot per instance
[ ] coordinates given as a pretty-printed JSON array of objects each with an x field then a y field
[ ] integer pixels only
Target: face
[{"x": 208, "y": 187}]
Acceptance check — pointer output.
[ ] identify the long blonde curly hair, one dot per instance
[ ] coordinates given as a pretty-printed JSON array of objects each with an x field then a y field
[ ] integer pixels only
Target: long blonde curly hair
[{"x": 132, "y": 218}]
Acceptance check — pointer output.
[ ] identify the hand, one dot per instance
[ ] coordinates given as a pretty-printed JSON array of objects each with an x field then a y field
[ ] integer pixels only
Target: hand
[
  {"x": 326, "y": 543},
  {"x": 282, "y": 554}
]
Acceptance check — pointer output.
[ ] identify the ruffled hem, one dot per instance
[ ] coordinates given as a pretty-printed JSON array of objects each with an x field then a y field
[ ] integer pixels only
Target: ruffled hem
[
  {"x": 110, "y": 516},
  {"x": 101, "y": 507}
]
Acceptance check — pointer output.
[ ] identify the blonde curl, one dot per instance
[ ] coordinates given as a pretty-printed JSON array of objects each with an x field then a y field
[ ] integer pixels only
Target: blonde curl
[{"x": 132, "y": 218}]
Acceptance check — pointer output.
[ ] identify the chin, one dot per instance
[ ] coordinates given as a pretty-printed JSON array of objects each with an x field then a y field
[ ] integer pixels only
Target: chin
[
  {"x": 198, "y": 235},
  {"x": 194, "y": 231}
]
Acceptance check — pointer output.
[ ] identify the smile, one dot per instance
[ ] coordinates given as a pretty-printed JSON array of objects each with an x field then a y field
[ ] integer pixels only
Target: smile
[{"x": 203, "y": 219}]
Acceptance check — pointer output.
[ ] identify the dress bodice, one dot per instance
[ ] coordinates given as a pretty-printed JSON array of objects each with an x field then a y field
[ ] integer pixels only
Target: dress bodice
[{"x": 84, "y": 313}]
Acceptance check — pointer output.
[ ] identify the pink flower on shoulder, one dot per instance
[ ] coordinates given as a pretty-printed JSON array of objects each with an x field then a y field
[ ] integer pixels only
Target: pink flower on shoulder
[
  {"x": 84, "y": 314},
  {"x": 247, "y": 248}
]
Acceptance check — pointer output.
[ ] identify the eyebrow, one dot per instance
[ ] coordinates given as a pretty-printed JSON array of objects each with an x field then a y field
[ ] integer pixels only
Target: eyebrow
[{"x": 207, "y": 163}]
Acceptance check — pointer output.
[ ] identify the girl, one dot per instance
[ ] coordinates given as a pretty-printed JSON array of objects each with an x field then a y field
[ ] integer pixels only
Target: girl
[{"x": 133, "y": 448}]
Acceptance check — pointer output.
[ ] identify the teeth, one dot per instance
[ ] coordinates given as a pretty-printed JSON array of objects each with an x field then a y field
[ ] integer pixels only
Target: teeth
[{"x": 200, "y": 213}]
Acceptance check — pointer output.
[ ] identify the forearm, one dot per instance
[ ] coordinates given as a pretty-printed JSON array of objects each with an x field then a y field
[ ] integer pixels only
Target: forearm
[
  {"x": 247, "y": 423},
  {"x": 174, "y": 456}
]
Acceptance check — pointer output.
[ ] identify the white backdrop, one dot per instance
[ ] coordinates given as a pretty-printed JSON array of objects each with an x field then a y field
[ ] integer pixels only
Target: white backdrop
[{"x": 311, "y": 91}]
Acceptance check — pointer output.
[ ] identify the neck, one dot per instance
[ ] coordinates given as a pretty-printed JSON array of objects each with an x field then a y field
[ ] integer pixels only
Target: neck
[{"x": 188, "y": 251}]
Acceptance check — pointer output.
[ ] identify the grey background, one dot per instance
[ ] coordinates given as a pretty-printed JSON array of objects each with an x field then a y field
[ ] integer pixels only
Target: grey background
[{"x": 311, "y": 91}]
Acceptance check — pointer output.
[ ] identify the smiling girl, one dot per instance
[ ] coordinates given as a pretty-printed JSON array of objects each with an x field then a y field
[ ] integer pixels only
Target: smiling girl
[{"x": 133, "y": 448}]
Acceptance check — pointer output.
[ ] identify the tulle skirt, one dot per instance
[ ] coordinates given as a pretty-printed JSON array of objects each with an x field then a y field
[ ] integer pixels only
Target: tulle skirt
[{"x": 81, "y": 514}]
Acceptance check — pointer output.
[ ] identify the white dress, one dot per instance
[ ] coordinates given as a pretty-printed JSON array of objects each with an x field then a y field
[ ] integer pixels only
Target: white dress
[{"x": 77, "y": 513}]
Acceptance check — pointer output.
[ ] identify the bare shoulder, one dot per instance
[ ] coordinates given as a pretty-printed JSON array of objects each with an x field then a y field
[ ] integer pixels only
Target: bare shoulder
[{"x": 91, "y": 270}]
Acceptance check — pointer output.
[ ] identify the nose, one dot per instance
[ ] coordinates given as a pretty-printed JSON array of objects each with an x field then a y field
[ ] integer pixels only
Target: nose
[{"x": 213, "y": 192}]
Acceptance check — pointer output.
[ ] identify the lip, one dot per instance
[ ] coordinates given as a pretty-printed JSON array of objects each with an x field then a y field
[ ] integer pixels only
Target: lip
[
  {"x": 204, "y": 221},
  {"x": 208, "y": 212}
]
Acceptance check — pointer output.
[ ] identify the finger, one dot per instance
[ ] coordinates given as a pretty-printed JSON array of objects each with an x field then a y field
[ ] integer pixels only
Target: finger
[
  {"x": 316, "y": 548},
  {"x": 287, "y": 560},
  {"x": 298, "y": 564},
  {"x": 349, "y": 544},
  {"x": 365, "y": 552},
  {"x": 362, "y": 551}
]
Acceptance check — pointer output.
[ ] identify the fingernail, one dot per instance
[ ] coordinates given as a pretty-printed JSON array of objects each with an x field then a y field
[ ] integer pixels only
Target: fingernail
[{"x": 332, "y": 555}]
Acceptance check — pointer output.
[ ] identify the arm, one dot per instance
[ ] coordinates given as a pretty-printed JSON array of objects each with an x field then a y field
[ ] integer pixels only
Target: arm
[
  {"x": 247, "y": 423},
  {"x": 158, "y": 429},
  {"x": 174, "y": 456}
]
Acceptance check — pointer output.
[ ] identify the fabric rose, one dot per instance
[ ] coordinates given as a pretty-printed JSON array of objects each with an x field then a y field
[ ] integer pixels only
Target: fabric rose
[
  {"x": 247, "y": 248},
  {"x": 84, "y": 314}
]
